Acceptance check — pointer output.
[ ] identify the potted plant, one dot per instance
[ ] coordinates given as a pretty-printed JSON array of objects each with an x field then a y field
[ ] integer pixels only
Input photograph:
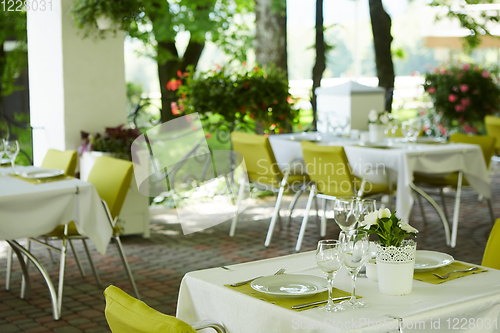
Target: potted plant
[
  {"x": 395, "y": 252},
  {"x": 105, "y": 15},
  {"x": 259, "y": 97},
  {"x": 462, "y": 95},
  {"x": 377, "y": 123}
]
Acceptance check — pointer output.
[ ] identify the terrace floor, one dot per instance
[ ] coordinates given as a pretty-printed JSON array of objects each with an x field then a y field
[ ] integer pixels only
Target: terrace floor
[{"x": 160, "y": 262}]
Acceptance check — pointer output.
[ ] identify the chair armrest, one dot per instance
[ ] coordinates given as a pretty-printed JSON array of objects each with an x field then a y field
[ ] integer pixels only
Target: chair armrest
[{"x": 208, "y": 324}]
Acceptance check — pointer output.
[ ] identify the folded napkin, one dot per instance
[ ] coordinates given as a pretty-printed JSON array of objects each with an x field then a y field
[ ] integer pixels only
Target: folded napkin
[
  {"x": 454, "y": 266},
  {"x": 36, "y": 181},
  {"x": 287, "y": 303}
]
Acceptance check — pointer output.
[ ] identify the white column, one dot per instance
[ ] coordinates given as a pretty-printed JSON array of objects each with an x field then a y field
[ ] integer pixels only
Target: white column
[{"x": 76, "y": 84}]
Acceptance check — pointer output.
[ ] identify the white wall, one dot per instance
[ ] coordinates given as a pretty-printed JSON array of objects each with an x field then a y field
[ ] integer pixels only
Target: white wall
[{"x": 75, "y": 84}]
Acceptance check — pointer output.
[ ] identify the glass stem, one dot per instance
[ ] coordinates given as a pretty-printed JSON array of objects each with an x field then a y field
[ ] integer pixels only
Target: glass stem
[
  {"x": 13, "y": 165},
  {"x": 353, "y": 293},
  {"x": 330, "y": 288}
]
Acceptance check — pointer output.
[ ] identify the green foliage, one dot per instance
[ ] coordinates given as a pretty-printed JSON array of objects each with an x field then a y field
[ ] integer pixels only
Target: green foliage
[
  {"x": 462, "y": 94},
  {"x": 12, "y": 27},
  {"x": 258, "y": 95},
  {"x": 389, "y": 229},
  {"x": 117, "y": 140},
  {"x": 22, "y": 135}
]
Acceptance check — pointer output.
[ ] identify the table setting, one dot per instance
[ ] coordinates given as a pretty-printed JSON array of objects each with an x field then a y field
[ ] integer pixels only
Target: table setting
[{"x": 347, "y": 283}]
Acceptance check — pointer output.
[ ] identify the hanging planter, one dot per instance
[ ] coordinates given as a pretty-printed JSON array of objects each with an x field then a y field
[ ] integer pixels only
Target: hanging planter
[{"x": 395, "y": 268}]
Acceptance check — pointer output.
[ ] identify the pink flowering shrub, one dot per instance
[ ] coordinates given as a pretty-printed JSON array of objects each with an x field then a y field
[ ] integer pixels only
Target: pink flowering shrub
[{"x": 462, "y": 95}]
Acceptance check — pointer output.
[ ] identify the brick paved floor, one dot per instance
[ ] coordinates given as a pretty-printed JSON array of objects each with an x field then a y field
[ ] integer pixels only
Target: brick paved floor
[{"x": 160, "y": 262}]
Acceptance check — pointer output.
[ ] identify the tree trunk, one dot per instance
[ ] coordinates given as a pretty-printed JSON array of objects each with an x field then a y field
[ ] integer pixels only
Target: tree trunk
[
  {"x": 382, "y": 39},
  {"x": 320, "y": 65},
  {"x": 270, "y": 33},
  {"x": 168, "y": 70}
]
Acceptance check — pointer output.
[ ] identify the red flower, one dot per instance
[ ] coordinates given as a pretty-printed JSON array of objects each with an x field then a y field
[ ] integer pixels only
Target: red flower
[
  {"x": 208, "y": 136},
  {"x": 465, "y": 101},
  {"x": 266, "y": 135},
  {"x": 289, "y": 99},
  {"x": 217, "y": 68},
  {"x": 452, "y": 98},
  {"x": 179, "y": 73},
  {"x": 181, "y": 106},
  {"x": 466, "y": 67},
  {"x": 459, "y": 108},
  {"x": 485, "y": 74},
  {"x": 442, "y": 129},
  {"x": 256, "y": 69},
  {"x": 174, "y": 84},
  {"x": 422, "y": 113},
  {"x": 431, "y": 90},
  {"x": 175, "y": 109},
  {"x": 273, "y": 126},
  {"x": 246, "y": 85},
  {"x": 469, "y": 129},
  {"x": 425, "y": 128},
  {"x": 464, "y": 88}
]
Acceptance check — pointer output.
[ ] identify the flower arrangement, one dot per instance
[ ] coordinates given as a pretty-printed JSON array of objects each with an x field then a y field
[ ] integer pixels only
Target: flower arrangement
[
  {"x": 379, "y": 118},
  {"x": 259, "y": 96},
  {"x": 390, "y": 230},
  {"x": 116, "y": 140},
  {"x": 463, "y": 94}
]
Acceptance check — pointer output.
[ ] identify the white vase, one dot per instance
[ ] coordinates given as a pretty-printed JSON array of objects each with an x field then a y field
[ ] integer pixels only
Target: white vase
[
  {"x": 376, "y": 132},
  {"x": 395, "y": 268},
  {"x": 104, "y": 22}
]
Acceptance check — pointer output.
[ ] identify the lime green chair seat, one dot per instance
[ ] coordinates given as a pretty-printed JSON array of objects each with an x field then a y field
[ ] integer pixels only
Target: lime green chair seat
[
  {"x": 63, "y": 160},
  {"x": 491, "y": 257},
  {"x": 126, "y": 314},
  {"x": 264, "y": 173},
  {"x": 492, "y": 125}
]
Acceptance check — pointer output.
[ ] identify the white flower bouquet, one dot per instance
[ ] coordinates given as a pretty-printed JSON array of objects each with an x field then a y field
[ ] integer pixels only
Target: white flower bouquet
[
  {"x": 390, "y": 230},
  {"x": 380, "y": 118}
]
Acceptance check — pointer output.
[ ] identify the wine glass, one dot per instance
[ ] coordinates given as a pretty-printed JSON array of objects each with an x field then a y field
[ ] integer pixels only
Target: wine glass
[
  {"x": 11, "y": 149},
  {"x": 343, "y": 213},
  {"x": 363, "y": 207},
  {"x": 355, "y": 250},
  {"x": 415, "y": 125},
  {"x": 327, "y": 258},
  {"x": 406, "y": 130}
]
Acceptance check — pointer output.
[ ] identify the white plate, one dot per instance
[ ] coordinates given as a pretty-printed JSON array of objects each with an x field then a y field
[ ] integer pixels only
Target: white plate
[
  {"x": 429, "y": 260},
  {"x": 4, "y": 161},
  {"x": 369, "y": 144},
  {"x": 290, "y": 285},
  {"x": 43, "y": 173}
]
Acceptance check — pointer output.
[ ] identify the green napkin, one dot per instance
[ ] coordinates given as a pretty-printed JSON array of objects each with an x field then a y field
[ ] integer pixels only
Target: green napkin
[
  {"x": 430, "y": 278},
  {"x": 36, "y": 181},
  {"x": 287, "y": 303}
]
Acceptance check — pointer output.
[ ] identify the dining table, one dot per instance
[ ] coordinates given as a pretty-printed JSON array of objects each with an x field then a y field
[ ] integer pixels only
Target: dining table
[
  {"x": 395, "y": 161},
  {"x": 31, "y": 207},
  {"x": 467, "y": 304}
]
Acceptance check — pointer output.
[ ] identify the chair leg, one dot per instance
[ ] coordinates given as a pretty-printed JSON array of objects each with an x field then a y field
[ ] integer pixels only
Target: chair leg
[
  {"x": 275, "y": 216},
  {"x": 78, "y": 264},
  {"x": 443, "y": 202},
  {"x": 232, "y": 230},
  {"x": 62, "y": 266},
  {"x": 323, "y": 218},
  {"x": 292, "y": 205},
  {"x": 456, "y": 211},
  {"x": 50, "y": 251},
  {"x": 23, "y": 281},
  {"x": 492, "y": 215},
  {"x": 92, "y": 265},
  {"x": 8, "y": 272},
  {"x": 422, "y": 211},
  {"x": 126, "y": 266},
  {"x": 302, "y": 231}
]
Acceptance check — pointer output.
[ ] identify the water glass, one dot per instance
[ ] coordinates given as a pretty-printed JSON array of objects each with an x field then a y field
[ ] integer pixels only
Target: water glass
[
  {"x": 327, "y": 259},
  {"x": 344, "y": 214},
  {"x": 364, "y": 207},
  {"x": 354, "y": 253},
  {"x": 11, "y": 149}
]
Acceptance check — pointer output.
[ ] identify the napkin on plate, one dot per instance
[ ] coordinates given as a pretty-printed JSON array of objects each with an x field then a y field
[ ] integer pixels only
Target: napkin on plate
[
  {"x": 287, "y": 303},
  {"x": 454, "y": 266}
]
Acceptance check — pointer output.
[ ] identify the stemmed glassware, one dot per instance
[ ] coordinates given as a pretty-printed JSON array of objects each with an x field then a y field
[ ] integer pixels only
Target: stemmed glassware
[
  {"x": 11, "y": 149},
  {"x": 411, "y": 129},
  {"x": 355, "y": 250},
  {"x": 344, "y": 213},
  {"x": 363, "y": 207},
  {"x": 327, "y": 258}
]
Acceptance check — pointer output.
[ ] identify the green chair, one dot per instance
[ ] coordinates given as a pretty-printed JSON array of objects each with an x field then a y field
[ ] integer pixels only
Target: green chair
[
  {"x": 111, "y": 178},
  {"x": 492, "y": 125},
  {"x": 126, "y": 314},
  {"x": 455, "y": 180},
  {"x": 264, "y": 173},
  {"x": 63, "y": 160},
  {"x": 331, "y": 178},
  {"x": 491, "y": 257}
]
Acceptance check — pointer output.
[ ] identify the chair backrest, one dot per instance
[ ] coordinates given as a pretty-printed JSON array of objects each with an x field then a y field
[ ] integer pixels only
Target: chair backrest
[
  {"x": 259, "y": 157},
  {"x": 492, "y": 125},
  {"x": 111, "y": 177},
  {"x": 126, "y": 314},
  {"x": 491, "y": 257},
  {"x": 487, "y": 143},
  {"x": 329, "y": 168},
  {"x": 63, "y": 160}
]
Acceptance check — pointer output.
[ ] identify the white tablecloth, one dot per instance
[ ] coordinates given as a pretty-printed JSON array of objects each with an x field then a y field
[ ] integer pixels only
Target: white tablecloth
[
  {"x": 404, "y": 160},
  {"x": 29, "y": 210},
  {"x": 203, "y": 296}
]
